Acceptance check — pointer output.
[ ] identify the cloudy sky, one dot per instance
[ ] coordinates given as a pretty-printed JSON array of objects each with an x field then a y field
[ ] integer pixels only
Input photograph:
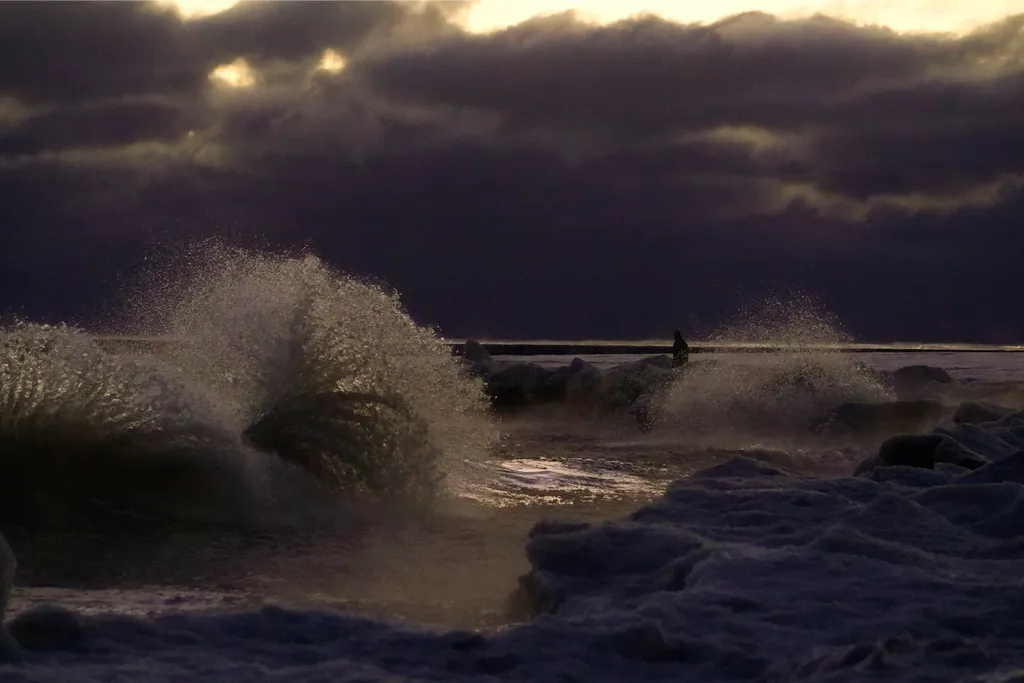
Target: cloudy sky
[{"x": 531, "y": 168}]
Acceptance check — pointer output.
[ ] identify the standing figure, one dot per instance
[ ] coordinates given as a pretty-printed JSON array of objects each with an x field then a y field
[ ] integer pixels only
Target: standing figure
[{"x": 680, "y": 350}]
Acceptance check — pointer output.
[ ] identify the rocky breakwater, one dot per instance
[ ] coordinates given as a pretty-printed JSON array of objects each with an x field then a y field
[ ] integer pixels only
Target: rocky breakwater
[{"x": 519, "y": 384}]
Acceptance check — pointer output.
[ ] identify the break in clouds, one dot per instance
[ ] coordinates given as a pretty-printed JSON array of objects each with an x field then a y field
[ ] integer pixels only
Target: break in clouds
[{"x": 554, "y": 179}]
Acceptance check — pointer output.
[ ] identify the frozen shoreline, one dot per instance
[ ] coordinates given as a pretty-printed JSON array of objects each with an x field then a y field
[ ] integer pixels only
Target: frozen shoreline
[{"x": 743, "y": 571}]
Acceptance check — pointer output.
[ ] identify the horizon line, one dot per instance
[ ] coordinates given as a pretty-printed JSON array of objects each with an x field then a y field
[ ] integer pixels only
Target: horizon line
[{"x": 660, "y": 342}]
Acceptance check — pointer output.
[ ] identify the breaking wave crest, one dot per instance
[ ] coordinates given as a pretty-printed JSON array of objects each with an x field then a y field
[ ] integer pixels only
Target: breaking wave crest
[
  {"x": 286, "y": 381},
  {"x": 777, "y": 393}
]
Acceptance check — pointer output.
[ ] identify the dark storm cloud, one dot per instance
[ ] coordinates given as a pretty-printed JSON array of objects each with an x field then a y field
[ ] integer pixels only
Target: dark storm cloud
[
  {"x": 108, "y": 124},
  {"x": 936, "y": 137},
  {"x": 651, "y": 76},
  {"x": 554, "y": 179},
  {"x": 73, "y": 51},
  {"x": 520, "y": 244},
  {"x": 848, "y": 91}
]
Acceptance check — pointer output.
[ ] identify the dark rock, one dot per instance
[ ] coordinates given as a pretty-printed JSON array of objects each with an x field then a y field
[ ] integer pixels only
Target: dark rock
[
  {"x": 478, "y": 358},
  {"x": 474, "y": 352},
  {"x": 522, "y": 384},
  {"x": 555, "y": 385},
  {"x": 466, "y": 641},
  {"x": 1008, "y": 469},
  {"x": 979, "y": 413},
  {"x": 914, "y": 378},
  {"x": 887, "y": 416},
  {"x": 47, "y": 627},
  {"x": 909, "y": 450},
  {"x": 912, "y": 450},
  {"x": 920, "y": 450},
  {"x": 584, "y": 379}
]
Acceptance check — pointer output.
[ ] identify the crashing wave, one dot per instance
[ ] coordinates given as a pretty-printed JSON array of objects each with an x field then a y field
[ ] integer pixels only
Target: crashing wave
[
  {"x": 327, "y": 377},
  {"x": 84, "y": 432},
  {"x": 780, "y": 392}
]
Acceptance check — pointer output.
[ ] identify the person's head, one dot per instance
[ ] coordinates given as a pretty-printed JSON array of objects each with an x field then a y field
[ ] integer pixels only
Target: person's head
[{"x": 678, "y": 336}]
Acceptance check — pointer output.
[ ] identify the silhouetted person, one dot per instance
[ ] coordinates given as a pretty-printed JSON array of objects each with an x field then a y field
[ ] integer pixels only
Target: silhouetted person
[{"x": 680, "y": 350}]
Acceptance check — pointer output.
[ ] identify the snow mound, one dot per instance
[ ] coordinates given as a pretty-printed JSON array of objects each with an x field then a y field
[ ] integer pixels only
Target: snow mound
[{"x": 750, "y": 571}]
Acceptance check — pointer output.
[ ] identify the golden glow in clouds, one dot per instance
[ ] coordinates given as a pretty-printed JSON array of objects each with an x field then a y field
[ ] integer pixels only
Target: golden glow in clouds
[
  {"x": 191, "y": 9},
  {"x": 237, "y": 74},
  {"x": 331, "y": 61},
  {"x": 944, "y": 16},
  {"x": 953, "y": 16}
]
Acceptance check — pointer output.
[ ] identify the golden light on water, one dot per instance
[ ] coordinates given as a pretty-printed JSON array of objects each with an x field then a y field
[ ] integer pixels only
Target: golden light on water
[{"x": 237, "y": 74}]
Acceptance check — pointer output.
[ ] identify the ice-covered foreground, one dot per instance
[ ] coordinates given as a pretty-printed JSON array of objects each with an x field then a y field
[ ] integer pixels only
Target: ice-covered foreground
[{"x": 742, "y": 572}]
